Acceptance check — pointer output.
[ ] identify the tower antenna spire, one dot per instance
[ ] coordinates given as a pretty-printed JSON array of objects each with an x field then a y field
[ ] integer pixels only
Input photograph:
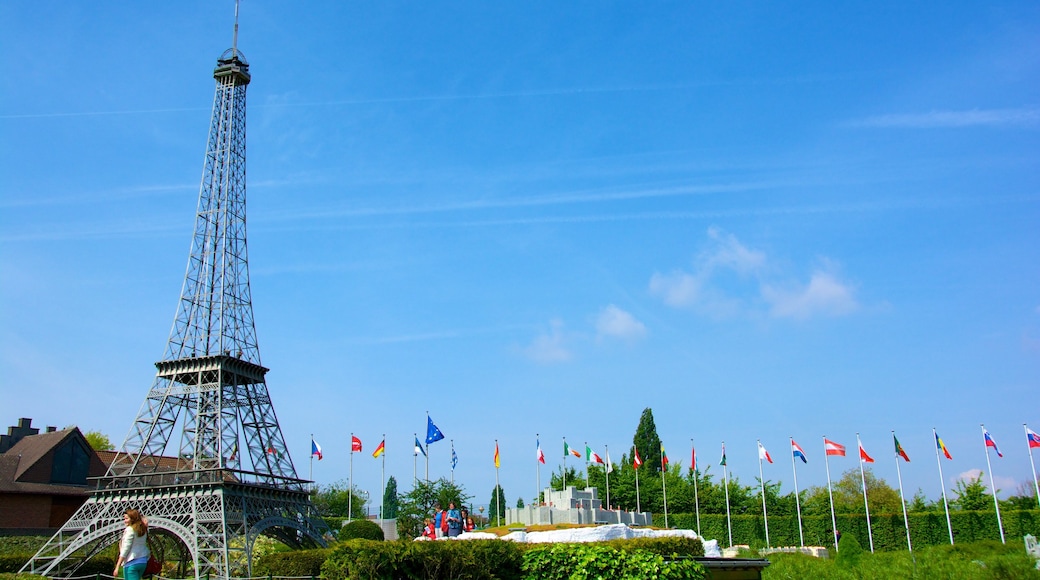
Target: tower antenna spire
[{"x": 234, "y": 41}]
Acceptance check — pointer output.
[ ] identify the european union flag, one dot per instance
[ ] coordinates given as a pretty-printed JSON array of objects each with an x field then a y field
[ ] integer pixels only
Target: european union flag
[{"x": 432, "y": 432}]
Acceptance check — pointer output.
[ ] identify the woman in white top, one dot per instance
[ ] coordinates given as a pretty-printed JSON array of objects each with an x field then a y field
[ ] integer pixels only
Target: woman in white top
[{"x": 133, "y": 549}]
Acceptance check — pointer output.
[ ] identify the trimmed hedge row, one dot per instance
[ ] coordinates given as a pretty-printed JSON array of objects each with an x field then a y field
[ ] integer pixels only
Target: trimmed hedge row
[
  {"x": 482, "y": 559},
  {"x": 97, "y": 565},
  {"x": 926, "y": 528},
  {"x": 294, "y": 563}
]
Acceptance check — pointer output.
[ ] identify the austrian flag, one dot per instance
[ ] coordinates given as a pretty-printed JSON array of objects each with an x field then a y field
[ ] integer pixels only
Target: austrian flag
[{"x": 833, "y": 448}]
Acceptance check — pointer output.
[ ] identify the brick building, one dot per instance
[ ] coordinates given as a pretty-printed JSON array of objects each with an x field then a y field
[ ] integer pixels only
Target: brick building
[{"x": 43, "y": 477}]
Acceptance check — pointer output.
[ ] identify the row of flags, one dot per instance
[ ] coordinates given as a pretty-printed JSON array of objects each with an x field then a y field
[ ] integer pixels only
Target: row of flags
[
  {"x": 831, "y": 448},
  {"x": 433, "y": 434}
]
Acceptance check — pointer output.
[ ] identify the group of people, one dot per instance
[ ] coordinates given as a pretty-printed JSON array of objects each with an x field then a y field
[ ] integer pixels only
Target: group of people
[{"x": 447, "y": 522}]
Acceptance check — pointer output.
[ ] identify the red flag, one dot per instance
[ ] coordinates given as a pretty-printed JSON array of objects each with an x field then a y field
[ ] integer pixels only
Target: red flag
[
  {"x": 636, "y": 461},
  {"x": 693, "y": 459},
  {"x": 355, "y": 444},
  {"x": 863, "y": 455}
]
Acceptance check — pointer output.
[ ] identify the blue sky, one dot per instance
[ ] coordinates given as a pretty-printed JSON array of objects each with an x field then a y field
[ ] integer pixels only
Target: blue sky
[{"x": 761, "y": 221}]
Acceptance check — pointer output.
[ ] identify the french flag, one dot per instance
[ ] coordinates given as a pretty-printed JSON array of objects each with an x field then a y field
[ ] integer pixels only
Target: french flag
[
  {"x": 796, "y": 449},
  {"x": 316, "y": 449},
  {"x": 991, "y": 443}
]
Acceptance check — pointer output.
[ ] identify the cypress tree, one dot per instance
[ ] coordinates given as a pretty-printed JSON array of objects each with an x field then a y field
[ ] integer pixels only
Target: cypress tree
[
  {"x": 390, "y": 503},
  {"x": 647, "y": 442}
]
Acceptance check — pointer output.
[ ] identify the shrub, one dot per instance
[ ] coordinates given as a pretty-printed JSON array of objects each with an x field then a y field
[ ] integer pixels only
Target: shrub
[
  {"x": 849, "y": 551},
  {"x": 14, "y": 562},
  {"x": 363, "y": 559},
  {"x": 667, "y": 547},
  {"x": 567, "y": 561},
  {"x": 294, "y": 563},
  {"x": 361, "y": 529}
]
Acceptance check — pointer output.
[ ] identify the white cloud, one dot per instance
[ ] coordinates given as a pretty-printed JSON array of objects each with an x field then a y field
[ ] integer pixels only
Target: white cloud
[
  {"x": 730, "y": 253},
  {"x": 824, "y": 294},
  {"x": 677, "y": 289},
  {"x": 939, "y": 119},
  {"x": 548, "y": 348},
  {"x": 615, "y": 322}
]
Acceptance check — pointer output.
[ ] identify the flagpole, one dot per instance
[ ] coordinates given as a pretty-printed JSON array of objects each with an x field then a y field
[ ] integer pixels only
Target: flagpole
[
  {"x": 498, "y": 493},
  {"x": 350, "y": 481},
  {"x": 1029, "y": 448},
  {"x": 942, "y": 481},
  {"x": 992, "y": 487},
  {"x": 565, "y": 454},
  {"x": 696, "y": 500},
  {"x": 415, "y": 461},
  {"x": 725, "y": 477},
  {"x": 639, "y": 508},
  {"x": 762, "y": 482},
  {"x": 310, "y": 472},
  {"x": 427, "y": 447},
  {"x": 606, "y": 473},
  {"x": 797, "y": 502},
  {"x": 664, "y": 488},
  {"x": 830, "y": 494},
  {"x": 537, "y": 469},
  {"x": 866, "y": 506},
  {"x": 452, "y": 441},
  {"x": 587, "y": 457},
  {"x": 902, "y": 500},
  {"x": 382, "y": 474}
]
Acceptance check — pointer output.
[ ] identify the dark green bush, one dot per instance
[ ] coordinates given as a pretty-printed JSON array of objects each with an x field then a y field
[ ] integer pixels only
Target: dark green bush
[
  {"x": 361, "y": 530},
  {"x": 667, "y": 547},
  {"x": 849, "y": 551},
  {"x": 14, "y": 562},
  {"x": 294, "y": 563},
  {"x": 569, "y": 561},
  {"x": 364, "y": 559}
]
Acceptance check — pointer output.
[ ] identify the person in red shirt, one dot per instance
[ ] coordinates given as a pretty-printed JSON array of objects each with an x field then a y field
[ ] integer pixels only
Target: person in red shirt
[
  {"x": 467, "y": 522},
  {"x": 428, "y": 530}
]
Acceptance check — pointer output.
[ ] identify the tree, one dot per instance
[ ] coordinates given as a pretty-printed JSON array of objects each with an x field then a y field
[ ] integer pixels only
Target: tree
[
  {"x": 416, "y": 505},
  {"x": 519, "y": 502},
  {"x": 390, "y": 502},
  {"x": 971, "y": 494},
  {"x": 98, "y": 441},
  {"x": 648, "y": 443},
  {"x": 848, "y": 496},
  {"x": 572, "y": 476},
  {"x": 497, "y": 506},
  {"x": 334, "y": 499}
]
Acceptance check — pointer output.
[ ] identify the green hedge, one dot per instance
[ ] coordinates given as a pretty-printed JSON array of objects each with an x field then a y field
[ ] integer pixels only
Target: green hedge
[
  {"x": 14, "y": 562},
  {"x": 294, "y": 563},
  {"x": 987, "y": 560},
  {"x": 926, "y": 528},
  {"x": 101, "y": 564},
  {"x": 361, "y": 530},
  {"x": 498, "y": 559}
]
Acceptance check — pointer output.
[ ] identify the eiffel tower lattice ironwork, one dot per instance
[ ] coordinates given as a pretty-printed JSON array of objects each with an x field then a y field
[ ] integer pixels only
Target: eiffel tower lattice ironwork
[{"x": 231, "y": 479}]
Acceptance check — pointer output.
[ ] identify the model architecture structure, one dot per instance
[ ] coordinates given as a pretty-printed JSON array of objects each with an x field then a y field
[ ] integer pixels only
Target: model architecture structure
[{"x": 574, "y": 506}]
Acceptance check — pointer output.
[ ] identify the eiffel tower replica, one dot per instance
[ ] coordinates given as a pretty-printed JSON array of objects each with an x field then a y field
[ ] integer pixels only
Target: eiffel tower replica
[{"x": 231, "y": 480}]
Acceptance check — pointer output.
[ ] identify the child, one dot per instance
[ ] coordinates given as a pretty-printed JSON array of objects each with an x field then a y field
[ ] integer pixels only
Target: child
[{"x": 429, "y": 531}]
